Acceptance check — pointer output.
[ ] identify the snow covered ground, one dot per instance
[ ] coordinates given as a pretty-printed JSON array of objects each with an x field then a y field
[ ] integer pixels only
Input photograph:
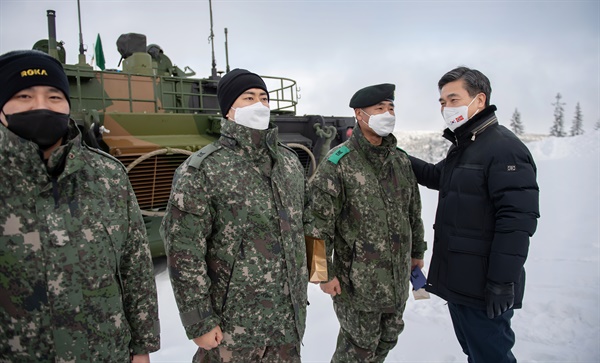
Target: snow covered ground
[{"x": 560, "y": 320}]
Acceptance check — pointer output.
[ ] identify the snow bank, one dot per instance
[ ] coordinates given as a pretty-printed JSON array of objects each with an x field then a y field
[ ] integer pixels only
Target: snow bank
[{"x": 560, "y": 319}]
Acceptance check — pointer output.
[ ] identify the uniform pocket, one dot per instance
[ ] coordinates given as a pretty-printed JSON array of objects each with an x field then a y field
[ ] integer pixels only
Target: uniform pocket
[
  {"x": 467, "y": 265},
  {"x": 99, "y": 253},
  {"x": 23, "y": 284}
]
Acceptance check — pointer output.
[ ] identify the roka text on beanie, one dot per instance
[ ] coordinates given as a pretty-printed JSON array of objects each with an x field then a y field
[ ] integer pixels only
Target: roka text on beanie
[{"x": 21, "y": 69}]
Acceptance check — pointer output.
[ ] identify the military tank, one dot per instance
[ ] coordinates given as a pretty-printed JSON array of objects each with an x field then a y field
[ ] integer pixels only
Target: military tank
[{"x": 152, "y": 115}]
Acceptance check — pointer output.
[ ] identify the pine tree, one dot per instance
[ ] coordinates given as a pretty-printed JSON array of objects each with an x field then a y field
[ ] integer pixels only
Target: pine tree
[
  {"x": 577, "y": 127},
  {"x": 557, "y": 128},
  {"x": 515, "y": 123},
  {"x": 597, "y": 125}
]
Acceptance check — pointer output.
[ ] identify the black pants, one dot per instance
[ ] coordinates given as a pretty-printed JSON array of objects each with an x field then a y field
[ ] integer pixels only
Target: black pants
[{"x": 483, "y": 340}]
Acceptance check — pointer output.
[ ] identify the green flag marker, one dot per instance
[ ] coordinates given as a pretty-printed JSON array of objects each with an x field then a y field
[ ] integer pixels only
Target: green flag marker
[{"x": 99, "y": 53}]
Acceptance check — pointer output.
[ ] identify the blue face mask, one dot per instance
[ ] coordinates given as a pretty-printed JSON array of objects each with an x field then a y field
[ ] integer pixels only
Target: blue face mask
[{"x": 43, "y": 127}]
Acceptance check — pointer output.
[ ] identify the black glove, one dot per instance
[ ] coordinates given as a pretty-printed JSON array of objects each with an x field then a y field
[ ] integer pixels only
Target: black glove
[{"x": 499, "y": 297}]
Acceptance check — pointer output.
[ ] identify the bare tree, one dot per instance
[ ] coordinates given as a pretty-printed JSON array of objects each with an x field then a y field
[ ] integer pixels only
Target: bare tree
[
  {"x": 557, "y": 128},
  {"x": 515, "y": 123},
  {"x": 577, "y": 127}
]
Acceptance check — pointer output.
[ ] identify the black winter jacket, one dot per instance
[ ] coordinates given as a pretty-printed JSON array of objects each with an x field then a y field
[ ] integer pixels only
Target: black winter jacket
[{"x": 487, "y": 210}]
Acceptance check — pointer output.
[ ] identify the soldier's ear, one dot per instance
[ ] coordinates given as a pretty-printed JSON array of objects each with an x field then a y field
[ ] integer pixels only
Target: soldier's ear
[
  {"x": 358, "y": 115},
  {"x": 230, "y": 114}
]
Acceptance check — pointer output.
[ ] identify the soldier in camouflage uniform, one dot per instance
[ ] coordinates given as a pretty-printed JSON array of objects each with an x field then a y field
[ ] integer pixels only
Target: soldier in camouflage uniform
[
  {"x": 368, "y": 210},
  {"x": 234, "y": 235},
  {"x": 77, "y": 280}
]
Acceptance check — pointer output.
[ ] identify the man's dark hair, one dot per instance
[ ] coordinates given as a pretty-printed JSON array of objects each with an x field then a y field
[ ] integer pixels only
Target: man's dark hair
[{"x": 475, "y": 82}]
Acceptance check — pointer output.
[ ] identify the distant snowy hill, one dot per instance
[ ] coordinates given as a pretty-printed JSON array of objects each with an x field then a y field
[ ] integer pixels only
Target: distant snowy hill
[{"x": 432, "y": 146}]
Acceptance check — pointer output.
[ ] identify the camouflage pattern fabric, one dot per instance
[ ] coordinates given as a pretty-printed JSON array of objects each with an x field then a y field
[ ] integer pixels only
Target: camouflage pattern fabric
[
  {"x": 280, "y": 354},
  {"x": 367, "y": 207},
  {"x": 234, "y": 237},
  {"x": 366, "y": 337},
  {"x": 77, "y": 280}
]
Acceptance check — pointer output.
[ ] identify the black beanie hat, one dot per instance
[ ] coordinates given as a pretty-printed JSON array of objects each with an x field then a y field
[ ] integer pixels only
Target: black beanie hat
[
  {"x": 21, "y": 69},
  {"x": 233, "y": 84}
]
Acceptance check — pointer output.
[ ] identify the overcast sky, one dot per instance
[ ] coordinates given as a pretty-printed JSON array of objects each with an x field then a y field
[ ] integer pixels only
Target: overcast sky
[{"x": 530, "y": 50}]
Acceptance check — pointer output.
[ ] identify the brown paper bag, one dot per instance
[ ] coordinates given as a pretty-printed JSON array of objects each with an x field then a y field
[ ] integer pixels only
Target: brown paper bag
[
  {"x": 316, "y": 259},
  {"x": 420, "y": 294}
]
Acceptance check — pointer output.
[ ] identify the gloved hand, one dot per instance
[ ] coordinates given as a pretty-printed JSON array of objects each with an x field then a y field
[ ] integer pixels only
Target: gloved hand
[{"x": 499, "y": 297}]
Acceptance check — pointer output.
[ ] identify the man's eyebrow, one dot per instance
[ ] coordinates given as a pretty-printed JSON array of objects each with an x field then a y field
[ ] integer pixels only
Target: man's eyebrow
[
  {"x": 449, "y": 96},
  {"x": 260, "y": 93}
]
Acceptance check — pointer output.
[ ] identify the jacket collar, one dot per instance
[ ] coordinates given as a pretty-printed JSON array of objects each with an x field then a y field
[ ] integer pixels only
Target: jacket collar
[
  {"x": 473, "y": 127},
  {"x": 259, "y": 146},
  {"x": 373, "y": 153},
  {"x": 254, "y": 144},
  {"x": 24, "y": 152}
]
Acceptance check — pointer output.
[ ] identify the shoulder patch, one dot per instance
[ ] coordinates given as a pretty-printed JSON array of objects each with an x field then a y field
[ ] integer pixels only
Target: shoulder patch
[
  {"x": 398, "y": 147},
  {"x": 336, "y": 156},
  {"x": 104, "y": 154},
  {"x": 198, "y": 157}
]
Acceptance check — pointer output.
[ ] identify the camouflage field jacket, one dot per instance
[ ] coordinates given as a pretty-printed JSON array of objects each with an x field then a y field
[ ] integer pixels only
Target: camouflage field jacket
[
  {"x": 235, "y": 242},
  {"x": 76, "y": 277},
  {"x": 367, "y": 207}
]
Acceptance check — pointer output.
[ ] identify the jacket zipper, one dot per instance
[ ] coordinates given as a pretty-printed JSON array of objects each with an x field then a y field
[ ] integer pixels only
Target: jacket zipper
[
  {"x": 55, "y": 193},
  {"x": 350, "y": 283},
  {"x": 483, "y": 127},
  {"x": 242, "y": 256}
]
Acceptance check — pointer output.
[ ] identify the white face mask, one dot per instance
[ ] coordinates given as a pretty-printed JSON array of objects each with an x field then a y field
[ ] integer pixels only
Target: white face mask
[
  {"x": 457, "y": 116},
  {"x": 382, "y": 124},
  {"x": 255, "y": 116}
]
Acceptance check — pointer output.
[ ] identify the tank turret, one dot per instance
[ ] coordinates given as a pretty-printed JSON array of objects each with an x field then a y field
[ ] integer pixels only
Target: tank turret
[
  {"x": 132, "y": 47},
  {"x": 151, "y": 115},
  {"x": 160, "y": 62}
]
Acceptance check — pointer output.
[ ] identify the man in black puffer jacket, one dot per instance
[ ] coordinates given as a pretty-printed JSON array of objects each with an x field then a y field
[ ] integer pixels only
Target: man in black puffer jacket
[{"x": 487, "y": 211}]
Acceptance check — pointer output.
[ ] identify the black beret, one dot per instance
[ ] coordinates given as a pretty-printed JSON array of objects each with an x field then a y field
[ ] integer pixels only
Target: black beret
[
  {"x": 372, "y": 95},
  {"x": 21, "y": 69},
  {"x": 233, "y": 84}
]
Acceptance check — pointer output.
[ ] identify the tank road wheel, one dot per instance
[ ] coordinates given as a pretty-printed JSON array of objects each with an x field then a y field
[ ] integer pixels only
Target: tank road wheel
[{"x": 146, "y": 156}]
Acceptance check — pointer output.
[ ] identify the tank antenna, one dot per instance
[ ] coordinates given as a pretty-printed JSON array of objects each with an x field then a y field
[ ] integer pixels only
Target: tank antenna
[
  {"x": 51, "y": 14},
  {"x": 211, "y": 39},
  {"x": 226, "y": 53},
  {"x": 81, "y": 48}
]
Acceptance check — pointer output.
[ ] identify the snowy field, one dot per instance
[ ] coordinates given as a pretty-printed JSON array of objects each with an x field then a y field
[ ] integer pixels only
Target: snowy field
[{"x": 560, "y": 319}]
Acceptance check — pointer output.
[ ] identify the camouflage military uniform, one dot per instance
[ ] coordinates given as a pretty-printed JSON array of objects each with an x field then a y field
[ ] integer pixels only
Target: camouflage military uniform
[
  {"x": 368, "y": 209},
  {"x": 234, "y": 237},
  {"x": 76, "y": 275}
]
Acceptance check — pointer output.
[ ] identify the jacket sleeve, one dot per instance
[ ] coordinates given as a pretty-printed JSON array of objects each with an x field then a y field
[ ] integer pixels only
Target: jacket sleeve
[
  {"x": 514, "y": 193},
  {"x": 308, "y": 217},
  {"x": 139, "y": 287},
  {"x": 185, "y": 228},
  {"x": 427, "y": 174},
  {"x": 326, "y": 206},
  {"x": 419, "y": 246}
]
